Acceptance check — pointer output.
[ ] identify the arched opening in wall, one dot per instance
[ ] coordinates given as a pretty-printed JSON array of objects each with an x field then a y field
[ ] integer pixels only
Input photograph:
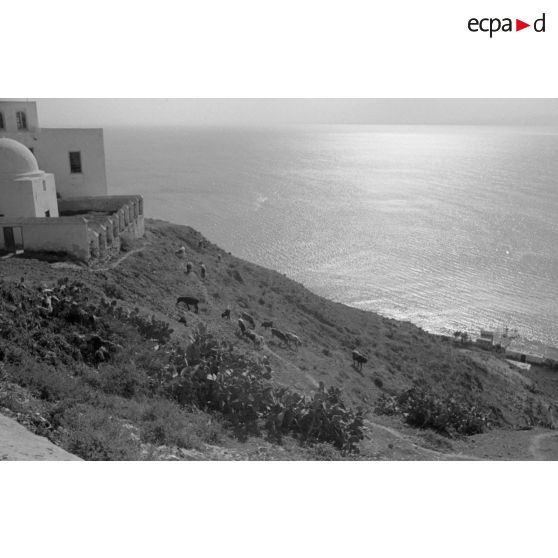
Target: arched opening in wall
[
  {"x": 102, "y": 244},
  {"x": 109, "y": 231},
  {"x": 94, "y": 246},
  {"x": 21, "y": 120}
]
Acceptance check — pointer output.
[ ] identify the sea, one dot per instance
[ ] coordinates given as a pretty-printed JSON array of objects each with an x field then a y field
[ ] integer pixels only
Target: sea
[{"x": 449, "y": 227}]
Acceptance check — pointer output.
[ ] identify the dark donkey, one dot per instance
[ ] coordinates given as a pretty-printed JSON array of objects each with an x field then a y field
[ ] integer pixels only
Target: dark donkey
[
  {"x": 189, "y": 301},
  {"x": 358, "y": 360}
]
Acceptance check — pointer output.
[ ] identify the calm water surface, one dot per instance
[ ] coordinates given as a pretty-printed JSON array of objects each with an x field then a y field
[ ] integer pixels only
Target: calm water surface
[{"x": 449, "y": 227}]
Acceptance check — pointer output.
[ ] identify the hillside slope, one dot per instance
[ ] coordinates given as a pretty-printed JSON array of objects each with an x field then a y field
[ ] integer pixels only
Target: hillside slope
[{"x": 35, "y": 346}]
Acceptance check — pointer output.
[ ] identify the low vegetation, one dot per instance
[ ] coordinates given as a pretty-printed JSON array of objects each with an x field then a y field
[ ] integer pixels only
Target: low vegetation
[
  {"x": 422, "y": 408},
  {"x": 219, "y": 378},
  {"x": 106, "y": 382}
]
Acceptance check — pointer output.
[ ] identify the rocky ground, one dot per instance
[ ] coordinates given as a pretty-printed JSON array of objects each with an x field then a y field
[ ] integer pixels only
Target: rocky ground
[{"x": 61, "y": 372}]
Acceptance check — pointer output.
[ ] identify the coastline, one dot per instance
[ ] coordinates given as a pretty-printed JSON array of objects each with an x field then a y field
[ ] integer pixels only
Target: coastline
[{"x": 446, "y": 331}]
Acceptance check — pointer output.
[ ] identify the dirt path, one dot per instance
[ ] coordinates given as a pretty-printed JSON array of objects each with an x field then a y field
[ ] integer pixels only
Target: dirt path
[
  {"x": 18, "y": 444},
  {"x": 119, "y": 261},
  {"x": 544, "y": 447},
  {"x": 414, "y": 446},
  {"x": 292, "y": 366}
]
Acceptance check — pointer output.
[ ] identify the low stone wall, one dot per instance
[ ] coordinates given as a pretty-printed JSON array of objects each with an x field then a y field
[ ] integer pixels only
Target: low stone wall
[
  {"x": 86, "y": 237},
  {"x": 110, "y": 204},
  {"x": 126, "y": 222}
]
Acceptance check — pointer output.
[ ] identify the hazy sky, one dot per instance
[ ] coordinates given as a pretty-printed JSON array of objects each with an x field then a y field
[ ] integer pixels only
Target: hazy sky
[{"x": 169, "y": 112}]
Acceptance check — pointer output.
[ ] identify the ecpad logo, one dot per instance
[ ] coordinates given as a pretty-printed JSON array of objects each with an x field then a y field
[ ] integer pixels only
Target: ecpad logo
[{"x": 493, "y": 25}]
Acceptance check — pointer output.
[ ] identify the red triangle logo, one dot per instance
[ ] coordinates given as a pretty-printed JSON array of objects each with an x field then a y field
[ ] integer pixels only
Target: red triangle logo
[{"x": 519, "y": 25}]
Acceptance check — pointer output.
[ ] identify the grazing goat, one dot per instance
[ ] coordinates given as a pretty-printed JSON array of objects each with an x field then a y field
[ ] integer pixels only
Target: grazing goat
[
  {"x": 250, "y": 334},
  {"x": 101, "y": 355},
  {"x": 257, "y": 339},
  {"x": 242, "y": 326},
  {"x": 292, "y": 338},
  {"x": 47, "y": 301},
  {"x": 267, "y": 324},
  {"x": 280, "y": 335},
  {"x": 203, "y": 271},
  {"x": 189, "y": 301},
  {"x": 226, "y": 314},
  {"x": 246, "y": 317},
  {"x": 358, "y": 360}
]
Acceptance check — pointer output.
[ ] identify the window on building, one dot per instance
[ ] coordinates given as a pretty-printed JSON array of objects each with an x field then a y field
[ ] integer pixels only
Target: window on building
[
  {"x": 44, "y": 185},
  {"x": 1, "y": 121},
  {"x": 75, "y": 162},
  {"x": 21, "y": 119}
]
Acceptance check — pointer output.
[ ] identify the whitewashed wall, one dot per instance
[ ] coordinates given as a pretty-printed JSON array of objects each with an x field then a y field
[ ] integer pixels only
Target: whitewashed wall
[
  {"x": 52, "y": 146},
  {"x": 9, "y": 110},
  {"x": 44, "y": 194},
  {"x": 28, "y": 197},
  {"x": 68, "y": 235}
]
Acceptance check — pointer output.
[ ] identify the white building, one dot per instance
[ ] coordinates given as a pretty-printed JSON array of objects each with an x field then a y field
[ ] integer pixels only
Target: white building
[
  {"x": 76, "y": 156},
  {"x": 33, "y": 219},
  {"x": 25, "y": 190}
]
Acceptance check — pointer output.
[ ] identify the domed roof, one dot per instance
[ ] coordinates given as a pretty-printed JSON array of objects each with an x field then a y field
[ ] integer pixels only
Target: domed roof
[{"x": 16, "y": 159}]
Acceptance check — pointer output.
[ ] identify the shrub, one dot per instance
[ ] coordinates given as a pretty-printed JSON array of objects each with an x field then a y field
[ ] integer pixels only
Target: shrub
[
  {"x": 165, "y": 423},
  {"x": 113, "y": 291},
  {"x": 126, "y": 381},
  {"x": 94, "y": 435},
  {"x": 424, "y": 409},
  {"x": 45, "y": 382},
  {"x": 324, "y": 452},
  {"x": 148, "y": 327},
  {"x": 218, "y": 378},
  {"x": 322, "y": 417}
]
